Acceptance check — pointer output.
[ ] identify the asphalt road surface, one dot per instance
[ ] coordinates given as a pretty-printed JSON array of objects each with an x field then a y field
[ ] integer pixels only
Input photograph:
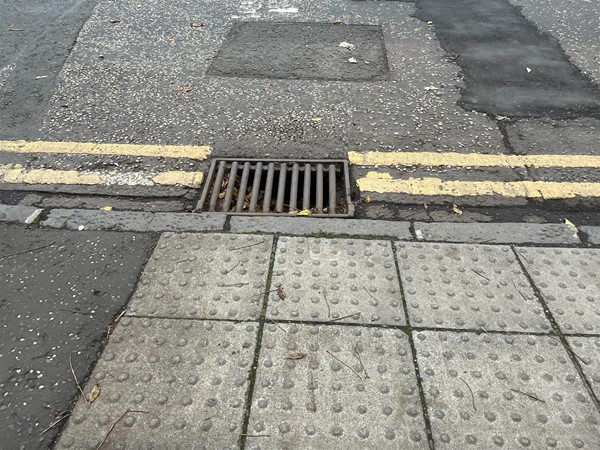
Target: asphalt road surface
[{"x": 268, "y": 78}]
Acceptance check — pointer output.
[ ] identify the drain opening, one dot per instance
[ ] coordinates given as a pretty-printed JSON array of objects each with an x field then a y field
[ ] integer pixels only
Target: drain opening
[{"x": 277, "y": 187}]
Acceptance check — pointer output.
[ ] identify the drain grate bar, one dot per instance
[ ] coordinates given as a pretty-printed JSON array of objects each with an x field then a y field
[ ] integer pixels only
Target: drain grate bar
[{"x": 311, "y": 187}]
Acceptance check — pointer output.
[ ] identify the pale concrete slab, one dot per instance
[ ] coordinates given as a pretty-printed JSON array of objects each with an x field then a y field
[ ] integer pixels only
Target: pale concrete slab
[
  {"x": 588, "y": 349},
  {"x": 184, "y": 383},
  {"x": 354, "y": 388},
  {"x": 18, "y": 213},
  {"x": 194, "y": 275},
  {"x": 501, "y": 391},
  {"x": 352, "y": 280},
  {"x": 570, "y": 284},
  {"x": 468, "y": 287}
]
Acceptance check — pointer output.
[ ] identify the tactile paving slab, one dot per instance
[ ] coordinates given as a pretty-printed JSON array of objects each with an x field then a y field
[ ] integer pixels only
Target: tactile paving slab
[
  {"x": 468, "y": 287},
  {"x": 323, "y": 279},
  {"x": 188, "y": 377},
  {"x": 588, "y": 349},
  {"x": 220, "y": 276},
  {"x": 353, "y": 388},
  {"x": 569, "y": 279},
  {"x": 501, "y": 391}
]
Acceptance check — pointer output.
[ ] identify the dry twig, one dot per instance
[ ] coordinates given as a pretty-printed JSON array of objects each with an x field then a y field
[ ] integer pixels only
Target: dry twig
[
  {"x": 114, "y": 424},
  {"x": 480, "y": 274},
  {"x": 238, "y": 263},
  {"x": 248, "y": 246},
  {"x": 327, "y": 303},
  {"x": 339, "y": 360},
  {"x": 342, "y": 318},
  {"x": 357, "y": 356},
  {"x": 278, "y": 326},
  {"x": 77, "y": 381},
  {"x": 367, "y": 291},
  {"x": 533, "y": 397},
  {"x": 472, "y": 395},
  {"x": 28, "y": 251},
  {"x": 53, "y": 424},
  {"x": 569, "y": 350}
]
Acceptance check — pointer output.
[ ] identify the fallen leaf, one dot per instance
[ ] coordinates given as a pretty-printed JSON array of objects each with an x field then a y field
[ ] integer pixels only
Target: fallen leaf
[
  {"x": 281, "y": 293},
  {"x": 93, "y": 395},
  {"x": 352, "y": 60},
  {"x": 348, "y": 45},
  {"x": 304, "y": 212},
  {"x": 115, "y": 21},
  {"x": 106, "y": 208},
  {"x": 337, "y": 22},
  {"x": 568, "y": 222},
  {"x": 367, "y": 62},
  {"x": 186, "y": 89},
  {"x": 222, "y": 195},
  {"x": 528, "y": 69},
  {"x": 367, "y": 199},
  {"x": 429, "y": 38},
  {"x": 295, "y": 356},
  {"x": 196, "y": 24},
  {"x": 502, "y": 118},
  {"x": 456, "y": 209},
  {"x": 316, "y": 119}
]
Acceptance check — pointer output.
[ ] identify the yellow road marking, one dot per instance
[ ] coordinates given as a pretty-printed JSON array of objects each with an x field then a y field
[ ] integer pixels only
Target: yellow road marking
[
  {"x": 469, "y": 159},
  {"x": 16, "y": 173},
  {"x": 88, "y": 148},
  {"x": 430, "y": 186}
]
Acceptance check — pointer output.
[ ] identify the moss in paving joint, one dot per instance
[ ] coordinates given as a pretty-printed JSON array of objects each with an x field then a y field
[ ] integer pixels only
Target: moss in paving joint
[
  {"x": 414, "y": 352},
  {"x": 559, "y": 334},
  {"x": 259, "y": 336}
]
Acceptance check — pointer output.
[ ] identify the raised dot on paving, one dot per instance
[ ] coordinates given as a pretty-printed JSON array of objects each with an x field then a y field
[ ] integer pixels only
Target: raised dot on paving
[
  {"x": 346, "y": 280},
  {"x": 184, "y": 383},
  {"x": 504, "y": 391},
  {"x": 335, "y": 387},
  {"x": 587, "y": 351},
  {"x": 569, "y": 281},
  {"x": 221, "y": 276},
  {"x": 468, "y": 287}
]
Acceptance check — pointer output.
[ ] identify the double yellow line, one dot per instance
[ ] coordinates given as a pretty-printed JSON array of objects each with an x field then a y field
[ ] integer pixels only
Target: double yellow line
[
  {"x": 383, "y": 182},
  {"x": 16, "y": 173}
]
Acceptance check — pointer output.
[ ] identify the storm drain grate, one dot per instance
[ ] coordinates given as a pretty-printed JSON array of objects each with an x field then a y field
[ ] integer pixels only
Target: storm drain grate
[{"x": 319, "y": 188}]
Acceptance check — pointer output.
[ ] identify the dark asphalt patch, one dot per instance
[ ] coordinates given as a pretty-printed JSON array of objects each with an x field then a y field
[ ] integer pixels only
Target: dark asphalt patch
[
  {"x": 302, "y": 51},
  {"x": 30, "y": 59},
  {"x": 510, "y": 67},
  {"x": 56, "y": 300}
]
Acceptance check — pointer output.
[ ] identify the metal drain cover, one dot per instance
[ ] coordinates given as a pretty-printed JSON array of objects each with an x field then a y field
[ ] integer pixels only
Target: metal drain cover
[{"x": 319, "y": 188}]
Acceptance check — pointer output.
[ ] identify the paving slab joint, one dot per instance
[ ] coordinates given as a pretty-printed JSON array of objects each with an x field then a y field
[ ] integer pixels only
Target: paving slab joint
[
  {"x": 259, "y": 336},
  {"x": 560, "y": 336}
]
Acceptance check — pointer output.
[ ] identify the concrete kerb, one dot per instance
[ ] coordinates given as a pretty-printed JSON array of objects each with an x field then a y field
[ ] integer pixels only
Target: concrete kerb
[{"x": 475, "y": 233}]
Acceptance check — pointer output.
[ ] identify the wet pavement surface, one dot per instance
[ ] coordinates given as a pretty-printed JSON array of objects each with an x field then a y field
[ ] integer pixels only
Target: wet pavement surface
[
  {"x": 466, "y": 346},
  {"x": 60, "y": 293}
]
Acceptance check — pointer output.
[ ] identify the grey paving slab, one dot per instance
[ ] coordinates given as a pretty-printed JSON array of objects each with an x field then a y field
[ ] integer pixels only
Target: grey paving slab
[
  {"x": 329, "y": 398},
  {"x": 592, "y": 234},
  {"x": 307, "y": 225},
  {"x": 18, "y": 213},
  {"x": 59, "y": 291},
  {"x": 193, "y": 275},
  {"x": 188, "y": 377},
  {"x": 498, "y": 391},
  {"x": 87, "y": 219},
  {"x": 588, "y": 349},
  {"x": 352, "y": 280},
  {"x": 569, "y": 281},
  {"x": 82, "y": 219},
  {"x": 497, "y": 233},
  {"x": 468, "y": 286}
]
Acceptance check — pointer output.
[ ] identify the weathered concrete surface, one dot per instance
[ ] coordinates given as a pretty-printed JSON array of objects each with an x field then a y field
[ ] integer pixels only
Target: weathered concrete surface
[
  {"x": 569, "y": 283},
  {"x": 19, "y": 214},
  {"x": 592, "y": 234},
  {"x": 345, "y": 280},
  {"x": 204, "y": 276},
  {"x": 497, "y": 233},
  {"x": 468, "y": 287},
  {"x": 308, "y": 225},
  {"x": 60, "y": 292},
  {"x": 494, "y": 391},
  {"x": 186, "y": 379},
  {"x": 355, "y": 388}
]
